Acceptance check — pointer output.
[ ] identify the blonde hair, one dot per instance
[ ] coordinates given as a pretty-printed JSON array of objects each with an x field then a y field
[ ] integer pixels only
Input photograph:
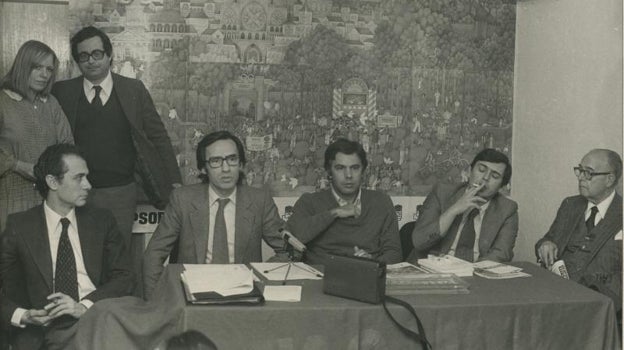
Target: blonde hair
[{"x": 28, "y": 57}]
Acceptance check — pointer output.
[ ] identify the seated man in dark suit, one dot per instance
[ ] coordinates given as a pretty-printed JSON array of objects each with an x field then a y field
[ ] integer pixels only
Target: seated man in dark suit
[
  {"x": 587, "y": 231},
  {"x": 59, "y": 258},
  {"x": 471, "y": 221},
  {"x": 219, "y": 221},
  {"x": 346, "y": 219}
]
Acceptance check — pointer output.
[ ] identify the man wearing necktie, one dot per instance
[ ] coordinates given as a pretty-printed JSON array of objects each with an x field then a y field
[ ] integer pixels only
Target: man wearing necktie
[
  {"x": 59, "y": 258},
  {"x": 472, "y": 221},
  {"x": 219, "y": 221},
  {"x": 120, "y": 133},
  {"x": 587, "y": 231}
]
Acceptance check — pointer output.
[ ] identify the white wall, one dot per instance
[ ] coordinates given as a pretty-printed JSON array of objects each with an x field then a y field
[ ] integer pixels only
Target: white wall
[{"x": 567, "y": 100}]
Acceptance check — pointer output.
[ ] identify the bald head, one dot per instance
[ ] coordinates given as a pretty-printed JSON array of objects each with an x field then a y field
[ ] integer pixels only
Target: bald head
[{"x": 606, "y": 167}]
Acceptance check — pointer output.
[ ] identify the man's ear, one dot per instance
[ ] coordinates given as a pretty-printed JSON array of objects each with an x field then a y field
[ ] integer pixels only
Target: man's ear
[
  {"x": 612, "y": 180},
  {"x": 52, "y": 182}
]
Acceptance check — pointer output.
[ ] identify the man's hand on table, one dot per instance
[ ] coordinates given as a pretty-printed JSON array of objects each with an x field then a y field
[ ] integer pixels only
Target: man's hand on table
[{"x": 547, "y": 253}]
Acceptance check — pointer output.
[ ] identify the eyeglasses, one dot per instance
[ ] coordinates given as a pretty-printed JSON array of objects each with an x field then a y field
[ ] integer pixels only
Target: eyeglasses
[
  {"x": 96, "y": 54},
  {"x": 217, "y": 162},
  {"x": 587, "y": 174}
]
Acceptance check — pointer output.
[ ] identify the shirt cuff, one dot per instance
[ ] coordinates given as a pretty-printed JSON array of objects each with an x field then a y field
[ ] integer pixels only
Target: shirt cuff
[
  {"x": 17, "y": 317},
  {"x": 86, "y": 303}
]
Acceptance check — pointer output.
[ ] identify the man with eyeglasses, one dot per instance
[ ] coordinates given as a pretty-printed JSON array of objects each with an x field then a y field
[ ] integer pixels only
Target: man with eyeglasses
[
  {"x": 118, "y": 129},
  {"x": 472, "y": 221},
  {"x": 587, "y": 232},
  {"x": 218, "y": 221}
]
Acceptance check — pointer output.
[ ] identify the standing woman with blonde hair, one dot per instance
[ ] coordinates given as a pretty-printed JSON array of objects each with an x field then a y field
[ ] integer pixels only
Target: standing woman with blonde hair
[{"x": 30, "y": 120}]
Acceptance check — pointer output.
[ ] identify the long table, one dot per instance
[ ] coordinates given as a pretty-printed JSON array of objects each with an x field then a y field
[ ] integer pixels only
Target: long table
[{"x": 540, "y": 312}]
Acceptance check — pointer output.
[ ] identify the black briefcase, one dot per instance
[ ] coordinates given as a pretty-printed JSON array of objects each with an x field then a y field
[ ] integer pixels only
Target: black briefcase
[{"x": 355, "y": 278}]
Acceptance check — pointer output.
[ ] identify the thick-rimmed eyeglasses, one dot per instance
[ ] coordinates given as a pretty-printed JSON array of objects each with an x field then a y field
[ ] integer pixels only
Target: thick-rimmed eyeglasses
[
  {"x": 217, "y": 162},
  {"x": 96, "y": 54},
  {"x": 587, "y": 174}
]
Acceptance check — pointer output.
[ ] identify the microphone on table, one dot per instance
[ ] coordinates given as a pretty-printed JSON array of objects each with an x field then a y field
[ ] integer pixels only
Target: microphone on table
[{"x": 290, "y": 239}]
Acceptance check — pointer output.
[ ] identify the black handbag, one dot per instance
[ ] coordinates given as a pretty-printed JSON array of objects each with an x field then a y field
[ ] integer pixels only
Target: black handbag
[
  {"x": 355, "y": 278},
  {"x": 365, "y": 280}
]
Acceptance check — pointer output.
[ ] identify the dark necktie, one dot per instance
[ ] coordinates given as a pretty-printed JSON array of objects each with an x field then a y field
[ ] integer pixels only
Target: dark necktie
[
  {"x": 97, "y": 101},
  {"x": 592, "y": 218},
  {"x": 465, "y": 244},
  {"x": 219, "y": 243},
  {"x": 66, "y": 278}
]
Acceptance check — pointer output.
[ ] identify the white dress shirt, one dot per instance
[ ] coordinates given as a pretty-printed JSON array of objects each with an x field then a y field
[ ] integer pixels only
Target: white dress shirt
[
  {"x": 229, "y": 212},
  {"x": 602, "y": 208},
  {"x": 107, "y": 89},
  {"x": 357, "y": 203},
  {"x": 54, "y": 228}
]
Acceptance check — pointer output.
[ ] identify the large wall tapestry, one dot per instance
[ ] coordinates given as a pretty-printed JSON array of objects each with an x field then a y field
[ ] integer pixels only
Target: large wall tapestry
[{"x": 422, "y": 84}]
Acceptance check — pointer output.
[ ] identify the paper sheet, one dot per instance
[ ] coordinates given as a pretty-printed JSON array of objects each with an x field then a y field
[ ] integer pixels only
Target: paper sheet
[
  {"x": 282, "y": 293},
  {"x": 226, "y": 279}
]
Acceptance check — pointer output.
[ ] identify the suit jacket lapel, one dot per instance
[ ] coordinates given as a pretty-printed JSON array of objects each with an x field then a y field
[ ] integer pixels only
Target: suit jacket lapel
[
  {"x": 577, "y": 222},
  {"x": 492, "y": 214},
  {"x": 447, "y": 242},
  {"x": 125, "y": 96},
  {"x": 36, "y": 237},
  {"x": 609, "y": 225},
  {"x": 77, "y": 91},
  {"x": 200, "y": 220},
  {"x": 89, "y": 245},
  {"x": 243, "y": 223}
]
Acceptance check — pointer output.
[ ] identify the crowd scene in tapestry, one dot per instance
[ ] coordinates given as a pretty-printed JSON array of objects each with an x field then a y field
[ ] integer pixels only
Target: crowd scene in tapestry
[{"x": 437, "y": 75}]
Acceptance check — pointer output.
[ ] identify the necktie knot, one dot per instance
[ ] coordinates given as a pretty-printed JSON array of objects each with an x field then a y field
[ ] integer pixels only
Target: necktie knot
[
  {"x": 65, "y": 224},
  {"x": 223, "y": 202},
  {"x": 97, "y": 100},
  {"x": 590, "y": 223},
  {"x": 473, "y": 213}
]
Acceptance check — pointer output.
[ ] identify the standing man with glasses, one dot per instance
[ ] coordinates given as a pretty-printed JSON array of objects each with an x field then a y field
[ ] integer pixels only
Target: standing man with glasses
[
  {"x": 116, "y": 126},
  {"x": 587, "y": 231},
  {"x": 218, "y": 221}
]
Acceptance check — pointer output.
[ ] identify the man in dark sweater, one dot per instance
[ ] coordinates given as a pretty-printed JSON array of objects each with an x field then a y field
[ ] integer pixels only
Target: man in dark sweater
[
  {"x": 119, "y": 131},
  {"x": 346, "y": 219}
]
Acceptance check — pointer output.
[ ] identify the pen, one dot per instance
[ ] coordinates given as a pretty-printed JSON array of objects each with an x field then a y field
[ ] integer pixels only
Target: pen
[{"x": 310, "y": 269}]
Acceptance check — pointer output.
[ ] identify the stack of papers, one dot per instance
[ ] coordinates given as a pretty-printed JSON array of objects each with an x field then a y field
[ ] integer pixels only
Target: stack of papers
[
  {"x": 219, "y": 284},
  {"x": 446, "y": 264},
  {"x": 494, "y": 270},
  {"x": 407, "y": 279},
  {"x": 226, "y": 279}
]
